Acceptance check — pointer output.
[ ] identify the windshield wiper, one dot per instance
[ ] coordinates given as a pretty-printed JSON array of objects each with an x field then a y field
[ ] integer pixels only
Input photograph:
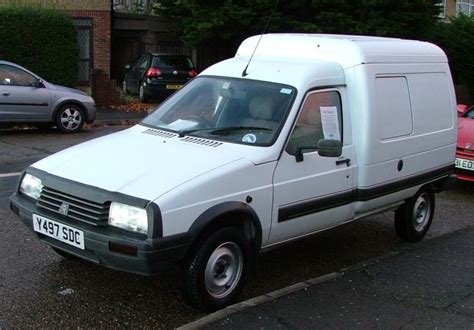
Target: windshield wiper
[
  {"x": 223, "y": 130},
  {"x": 189, "y": 131}
]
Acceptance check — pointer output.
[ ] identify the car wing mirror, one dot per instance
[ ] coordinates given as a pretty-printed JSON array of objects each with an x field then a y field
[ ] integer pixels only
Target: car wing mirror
[
  {"x": 461, "y": 108},
  {"x": 325, "y": 148},
  {"x": 329, "y": 148},
  {"x": 300, "y": 150},
  {"x": 39, "y": 84}
]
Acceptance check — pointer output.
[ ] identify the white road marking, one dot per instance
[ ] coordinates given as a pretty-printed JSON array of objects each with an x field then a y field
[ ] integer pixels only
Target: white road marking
[{"x": 9, "y": 175}]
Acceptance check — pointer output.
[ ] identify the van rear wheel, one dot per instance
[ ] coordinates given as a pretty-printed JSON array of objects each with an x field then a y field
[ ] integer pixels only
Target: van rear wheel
[
  {"x": 414, "y": 217},
  {"x": 216, "y": 272}
]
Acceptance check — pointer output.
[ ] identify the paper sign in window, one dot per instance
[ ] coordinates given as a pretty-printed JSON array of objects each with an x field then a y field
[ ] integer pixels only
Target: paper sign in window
[{"x": 330, "y": 123}]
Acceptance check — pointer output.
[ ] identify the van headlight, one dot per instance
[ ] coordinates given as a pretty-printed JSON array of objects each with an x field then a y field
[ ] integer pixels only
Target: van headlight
[
  {"x": 128, "y": 217},
  {"x": 31, "y": 186}
]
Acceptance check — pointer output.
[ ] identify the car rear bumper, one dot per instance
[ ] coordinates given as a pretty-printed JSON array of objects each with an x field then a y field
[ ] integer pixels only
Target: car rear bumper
[
  {"x": 150, "y": 255},
  {"x": 162, "y": 88}
]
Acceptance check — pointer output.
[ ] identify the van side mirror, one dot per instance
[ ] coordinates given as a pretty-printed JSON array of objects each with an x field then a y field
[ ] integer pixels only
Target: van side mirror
[
  {"x": 299, "y": 152},
  {"x": 325, "y": 148},
  {"x": 329, "y": 148}
]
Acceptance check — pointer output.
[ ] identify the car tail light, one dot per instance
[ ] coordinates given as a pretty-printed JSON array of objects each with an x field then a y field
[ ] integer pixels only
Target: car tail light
[
  {"x": 192, "y": 73},
  {"x": 153, "y": 72}
]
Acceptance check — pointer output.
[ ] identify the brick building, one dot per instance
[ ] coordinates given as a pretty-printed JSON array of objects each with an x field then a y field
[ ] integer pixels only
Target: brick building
[
  {"x": 93, "y": 20},
  {"x": 450, "y": 8}
]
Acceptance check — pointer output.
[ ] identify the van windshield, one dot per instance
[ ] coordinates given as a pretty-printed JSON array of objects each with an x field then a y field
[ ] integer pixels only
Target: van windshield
[{"x": 228, "y": 109}]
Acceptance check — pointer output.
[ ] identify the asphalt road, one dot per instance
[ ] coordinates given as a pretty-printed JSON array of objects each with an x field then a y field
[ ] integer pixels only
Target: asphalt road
[{"x": 40, "y": 289}]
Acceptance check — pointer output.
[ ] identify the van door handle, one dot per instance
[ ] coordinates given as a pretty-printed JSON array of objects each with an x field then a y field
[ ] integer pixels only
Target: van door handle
[
  {"x": 6, "y": 94},
  {"x": 347, "y": 161}
]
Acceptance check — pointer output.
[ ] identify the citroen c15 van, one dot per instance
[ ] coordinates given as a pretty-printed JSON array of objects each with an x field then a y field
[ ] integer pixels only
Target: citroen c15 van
[{"x": 296, "y": 134}]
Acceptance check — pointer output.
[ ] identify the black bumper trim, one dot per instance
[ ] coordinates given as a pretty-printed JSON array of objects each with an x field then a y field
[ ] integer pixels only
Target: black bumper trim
[
  {"x": 441, "y": 176},
  {"x": 153, "y": 254}
]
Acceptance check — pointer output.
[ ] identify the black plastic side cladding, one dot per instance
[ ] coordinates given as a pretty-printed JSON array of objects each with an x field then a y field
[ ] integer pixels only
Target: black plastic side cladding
[{"x": 153, "y": 211}]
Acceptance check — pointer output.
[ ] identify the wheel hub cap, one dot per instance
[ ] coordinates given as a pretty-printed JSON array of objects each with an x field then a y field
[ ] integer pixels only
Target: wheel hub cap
[
  {"x": 421, "y": 212},
  {"x": 223, "y": 270},
  {"x": 70, "y": 119}
]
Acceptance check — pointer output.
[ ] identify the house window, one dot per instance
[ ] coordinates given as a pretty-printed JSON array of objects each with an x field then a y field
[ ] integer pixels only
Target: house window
[
  {"x": 442, "y": 7},
  {"x": 84, "y": 39},
  {"x": 465, "y": 7}
]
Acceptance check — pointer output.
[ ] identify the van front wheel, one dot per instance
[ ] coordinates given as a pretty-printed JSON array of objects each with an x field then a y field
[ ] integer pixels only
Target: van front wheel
[
  {"x": 414, "y": 217},
  {"x": 216, "y": 272}
]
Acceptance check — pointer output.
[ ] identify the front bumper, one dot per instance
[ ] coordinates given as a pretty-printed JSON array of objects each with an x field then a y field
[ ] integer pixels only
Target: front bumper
[
  {"x": 152, "y": 255},
  {"x": 91, "y": 111},
  {"x": 465, "y": 174}
]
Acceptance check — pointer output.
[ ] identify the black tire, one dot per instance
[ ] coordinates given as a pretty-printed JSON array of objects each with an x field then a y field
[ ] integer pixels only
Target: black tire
[
  {"x": 70, "y": 118},
  {"x": 414, "y": 217},
  {"x": 64, "y": 254},
  {"x": 141, "y": 94},
  {"x": 217, "y": 270}
]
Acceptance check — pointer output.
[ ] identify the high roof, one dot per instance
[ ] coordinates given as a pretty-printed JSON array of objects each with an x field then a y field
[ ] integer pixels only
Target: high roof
[{"x": 343, "y": 49}]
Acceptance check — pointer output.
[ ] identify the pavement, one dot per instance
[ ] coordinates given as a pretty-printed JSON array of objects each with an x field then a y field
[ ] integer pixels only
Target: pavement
[
  {"x": 109, "y": 116},
  {"x": 428, "y": 285}
]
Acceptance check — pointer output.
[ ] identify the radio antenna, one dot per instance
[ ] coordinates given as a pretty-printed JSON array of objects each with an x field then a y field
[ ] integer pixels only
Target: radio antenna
[{"x": 244, "y": 73}]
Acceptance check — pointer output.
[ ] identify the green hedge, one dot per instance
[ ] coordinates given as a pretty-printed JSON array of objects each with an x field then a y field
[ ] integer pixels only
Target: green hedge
[
  {"x": 42, "y": 40},
  {"x": 456, "y": 38}
]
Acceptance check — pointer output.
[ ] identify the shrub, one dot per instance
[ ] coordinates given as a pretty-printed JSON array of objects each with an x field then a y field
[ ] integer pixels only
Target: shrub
[
  {"x": 457, "y": 40},
  {"x": 42, "y": 40}
]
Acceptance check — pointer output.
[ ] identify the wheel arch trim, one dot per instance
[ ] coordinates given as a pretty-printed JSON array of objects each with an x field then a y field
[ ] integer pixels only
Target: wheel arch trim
[{"x": 215, "y": 214}]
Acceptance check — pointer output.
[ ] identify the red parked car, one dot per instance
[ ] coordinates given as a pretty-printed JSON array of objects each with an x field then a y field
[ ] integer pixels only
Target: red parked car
[{"x": 465, "y": 149}]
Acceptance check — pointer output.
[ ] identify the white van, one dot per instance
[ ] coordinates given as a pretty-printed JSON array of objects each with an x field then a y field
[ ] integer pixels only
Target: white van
[{"x": 311, "y": 132}]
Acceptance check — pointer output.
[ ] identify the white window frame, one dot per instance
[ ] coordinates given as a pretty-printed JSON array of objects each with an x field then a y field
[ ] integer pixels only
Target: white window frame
[
  {"x": 465, "y": 6},
  {"x": 442, "y": 4}
]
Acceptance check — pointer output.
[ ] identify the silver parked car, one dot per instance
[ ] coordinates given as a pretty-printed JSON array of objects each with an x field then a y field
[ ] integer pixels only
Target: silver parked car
[{"x": 27, "y": 98}]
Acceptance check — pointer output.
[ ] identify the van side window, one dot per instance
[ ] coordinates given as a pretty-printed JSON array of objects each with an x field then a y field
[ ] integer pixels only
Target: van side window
[{"x": 320, "y": 118}]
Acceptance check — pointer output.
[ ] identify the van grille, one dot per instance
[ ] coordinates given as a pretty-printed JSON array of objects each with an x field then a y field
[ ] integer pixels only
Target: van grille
[{"x": 77, "y": 208}]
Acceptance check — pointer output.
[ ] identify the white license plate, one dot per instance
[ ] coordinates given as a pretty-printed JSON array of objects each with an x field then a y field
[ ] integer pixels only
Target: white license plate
[
  {"x": 465, "y": 164},
  {"x": 173, "y": 86},
  {"x": 56, "y": 230}
]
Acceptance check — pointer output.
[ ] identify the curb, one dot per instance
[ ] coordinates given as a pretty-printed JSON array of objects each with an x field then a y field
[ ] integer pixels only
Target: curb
[
  {"x": 239, "y": 307},
  {"x": 115, "y": 122}
]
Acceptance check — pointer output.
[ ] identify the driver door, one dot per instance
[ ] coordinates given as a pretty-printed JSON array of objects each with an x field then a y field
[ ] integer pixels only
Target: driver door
[
  {"x": 20, "y": 99},
  {"x": 313, "y": 192}
]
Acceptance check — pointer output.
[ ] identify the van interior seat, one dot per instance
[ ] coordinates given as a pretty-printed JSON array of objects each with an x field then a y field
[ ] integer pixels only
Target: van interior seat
[{"x": 261, "y": 110}]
